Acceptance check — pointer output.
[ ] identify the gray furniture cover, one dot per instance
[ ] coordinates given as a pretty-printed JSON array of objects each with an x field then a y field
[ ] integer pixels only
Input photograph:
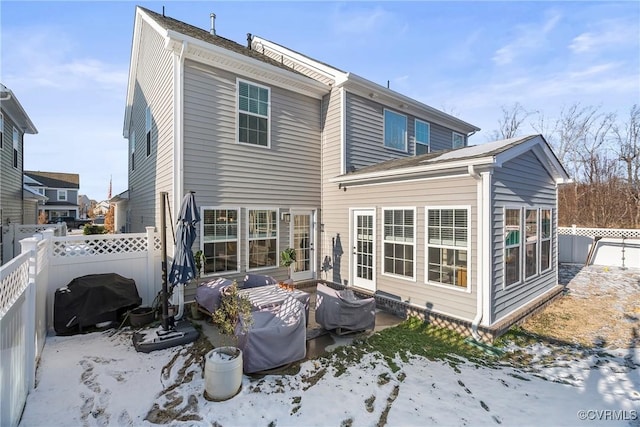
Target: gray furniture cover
[
  {"x": 275, "y": 338},
  {"x": 343, "y": 310},
  {"x": 208, "y": 293},
  {"x": 255, "y": 280}
]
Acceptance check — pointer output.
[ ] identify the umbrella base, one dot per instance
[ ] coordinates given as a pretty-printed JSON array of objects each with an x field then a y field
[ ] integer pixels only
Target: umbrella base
[{"x": 160, "y": 339}]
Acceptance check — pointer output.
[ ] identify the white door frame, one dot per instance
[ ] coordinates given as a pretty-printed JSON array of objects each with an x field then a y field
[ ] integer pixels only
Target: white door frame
[
  {"x": 356, "y": 281},
  {"x": 311, "y": 273}
]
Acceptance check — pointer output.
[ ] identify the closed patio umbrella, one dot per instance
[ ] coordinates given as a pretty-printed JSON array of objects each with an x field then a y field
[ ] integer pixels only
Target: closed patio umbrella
[{"x": 183, "y": 267}]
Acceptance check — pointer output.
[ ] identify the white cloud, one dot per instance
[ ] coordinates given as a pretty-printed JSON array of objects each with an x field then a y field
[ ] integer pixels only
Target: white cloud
[
  {"x": 529, "y": 37},
  {"x": 612, "y": 33},
  {"x": 364, "y": 21}
]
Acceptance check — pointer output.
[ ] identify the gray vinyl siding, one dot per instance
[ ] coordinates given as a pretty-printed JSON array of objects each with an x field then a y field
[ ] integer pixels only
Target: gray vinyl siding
[
  {"x": 154, "y": 87},
  {"x": 11, "y": 177},
  {"x": 334, "y": 219},
  {"x": 458, "y": 192},
  {"x": 521, "y": 182},
  {"x": 365, "y": 133},
  {"x": 223, "y": 172}
]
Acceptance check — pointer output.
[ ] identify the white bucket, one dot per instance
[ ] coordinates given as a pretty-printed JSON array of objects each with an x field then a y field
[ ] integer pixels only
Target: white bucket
[{"x": 223, "y": 373}]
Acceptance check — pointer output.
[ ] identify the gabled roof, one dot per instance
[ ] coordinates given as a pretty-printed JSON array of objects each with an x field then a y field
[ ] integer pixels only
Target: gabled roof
[
  {"x": 492, "y": 154},
  {"x": 12, "y": 107},
  {"x": 29, "y": 193},
  {"x": 55, "y": 179}
]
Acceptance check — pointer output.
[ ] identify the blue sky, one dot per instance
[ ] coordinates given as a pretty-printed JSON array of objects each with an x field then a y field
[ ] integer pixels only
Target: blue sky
[{"x": 67, "y": 62}]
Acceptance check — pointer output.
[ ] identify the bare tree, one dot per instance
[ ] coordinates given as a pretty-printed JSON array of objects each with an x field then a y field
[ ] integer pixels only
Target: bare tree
[
  {"x": 512, "y": 119},
  {"x": 627, "y": 139}
]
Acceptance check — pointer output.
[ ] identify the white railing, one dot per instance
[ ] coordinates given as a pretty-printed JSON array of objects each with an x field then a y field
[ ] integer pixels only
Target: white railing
[
  {"x": 600, "y": 246},
  {"x": 12, "y": 234},
  {"x": 27, "y": 287}
]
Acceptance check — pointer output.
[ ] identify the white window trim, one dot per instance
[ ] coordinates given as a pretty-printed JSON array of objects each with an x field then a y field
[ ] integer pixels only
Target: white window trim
[
  {"x": 453, "y": 139},
  {"x": 524, "y": 242},
  {"x": 148, "y": 134},
  {"x": 504, "y": 248},
  {"x": 247, "y": 239},
  {"x": 415, "y": 242},
  {"x": 66, "y": 198},
  {"x": 237, "y": 114},
  {"x": 415, "y": 135},
  {"x": 16, "y": 148},
  {"x": 541, "y": 239},
  {"x": 406, "y": 131},
  {"x": 132, "y": 149},
  {"x": 202, "y": 241},
  {"x": 467, "y": 289}
]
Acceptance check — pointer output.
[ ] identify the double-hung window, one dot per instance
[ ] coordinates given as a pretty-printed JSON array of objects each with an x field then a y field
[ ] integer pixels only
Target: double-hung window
[
  {"x": 457, "y": 140},
  {"x": 448, "y": 246},
  {"x": 423, "y": 131},
  {"x": 531, "y": 242},
  {"x": 395, "y": 131},
  {"x": 263, "y": 238},
  {"x": 399, "y": 242},
  {"x": 220, "y": 240},
  {"x": 62, "y": 195},
  {"x": 16, "y": 148},
  {"x": 132, "y": 149},
  {"x": 253, "y": 114},
  {"x": 147, "y": 121},
  {"x": 512, "y": 242},
  {"x": 545, "y": 239}
]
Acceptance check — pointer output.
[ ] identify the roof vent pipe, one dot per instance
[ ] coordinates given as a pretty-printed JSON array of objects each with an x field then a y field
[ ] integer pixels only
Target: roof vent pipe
[
  {"x": 213, "y": 24},
  {"x": 249, "y": 37}
]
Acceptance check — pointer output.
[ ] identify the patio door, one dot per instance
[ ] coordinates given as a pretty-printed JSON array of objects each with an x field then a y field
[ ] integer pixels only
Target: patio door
[
  {"x": 302, "y": 240},
  {"x": 363, "y": 253}
]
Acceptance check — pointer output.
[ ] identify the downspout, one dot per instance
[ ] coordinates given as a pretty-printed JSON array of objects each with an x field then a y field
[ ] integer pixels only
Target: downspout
[
  {"x": 480, "y": 265},
  {"x": 178, "y": 150}
]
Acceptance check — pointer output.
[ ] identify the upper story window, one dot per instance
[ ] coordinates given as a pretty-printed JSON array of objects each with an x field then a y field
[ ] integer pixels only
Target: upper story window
[
  {"x": 253, "y": 114},
  {"x": 395, "y": 131},
  {"x": 263, "y": 238},
  {"x": 399, "y": 242},
  {"x": 148, "y": 129},
  {"x": 423, "y": 136},
  {"x": 40, "y": 190},
  {"x": 220, "y": 239},
  {"x": 132, "y": 149},
  {"x": 62, "y": 195},
  {"x": 458, "y": 140},
  {"x": 16, "y": 147},
  {"x": 448, "y": 246}
]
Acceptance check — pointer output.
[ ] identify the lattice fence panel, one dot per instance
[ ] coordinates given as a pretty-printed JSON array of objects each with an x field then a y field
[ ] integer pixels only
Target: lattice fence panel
[
  {"x": 12, "y": 286},
  {"x": 83, "y": 248},
  {"x": 600, "y": 232}
]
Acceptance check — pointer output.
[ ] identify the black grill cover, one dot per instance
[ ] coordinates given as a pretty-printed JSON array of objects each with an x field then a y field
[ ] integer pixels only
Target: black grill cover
[{"x": 93, "y": 299}]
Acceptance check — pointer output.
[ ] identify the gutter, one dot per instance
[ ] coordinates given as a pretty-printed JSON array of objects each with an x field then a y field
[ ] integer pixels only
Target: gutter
[{"x": 479, "y": 226}]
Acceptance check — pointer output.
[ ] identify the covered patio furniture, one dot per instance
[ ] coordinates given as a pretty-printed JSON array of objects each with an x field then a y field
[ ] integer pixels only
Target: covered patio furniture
[
  {"x": 274, "y": 338},
  {"x": 208, "y": 293},
  {"x": 257, "y": 280},
  {"x": 272, "y": 296},
  {"x": 343, "y": 311}
]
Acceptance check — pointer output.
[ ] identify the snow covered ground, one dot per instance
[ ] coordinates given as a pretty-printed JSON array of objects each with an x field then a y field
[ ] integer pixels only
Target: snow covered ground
[{"x": 99, "y": 379}]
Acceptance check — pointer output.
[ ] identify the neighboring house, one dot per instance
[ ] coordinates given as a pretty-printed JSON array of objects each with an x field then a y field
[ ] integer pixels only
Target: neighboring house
[
  {"x": 101, "y": 208},
  {"x": 121, "y": 219},
  {"x": 84, "y": 206},
  {"x": 61, "y": 190},
  {"x": 33, "y": 199},
  {"x": 14, "y": 124},
  {"x": 374, "y": 190}
]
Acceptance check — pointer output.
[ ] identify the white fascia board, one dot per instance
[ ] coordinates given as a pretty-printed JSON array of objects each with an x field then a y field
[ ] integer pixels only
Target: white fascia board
[
  {"x": 363, "y": 87},
  {"x": 14, "y": 110},
  {"x": 415, "y": 170},
  {"x": 133, "y": 65},
  {"x": 246, "y": 66},
  {"x": 540, "y": 149},
  {"x": 328, "y": 71}
]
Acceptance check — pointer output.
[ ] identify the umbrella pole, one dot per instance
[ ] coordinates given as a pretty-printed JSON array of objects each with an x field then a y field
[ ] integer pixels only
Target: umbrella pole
[{"x": 163, "y": 239}]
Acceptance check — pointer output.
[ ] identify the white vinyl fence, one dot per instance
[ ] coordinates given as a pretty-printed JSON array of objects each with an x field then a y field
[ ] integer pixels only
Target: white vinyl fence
[
  {"x": 605, "y": 246},
  {"x": 27, "y": 286},
  {"x": 12, "y": 234}
]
